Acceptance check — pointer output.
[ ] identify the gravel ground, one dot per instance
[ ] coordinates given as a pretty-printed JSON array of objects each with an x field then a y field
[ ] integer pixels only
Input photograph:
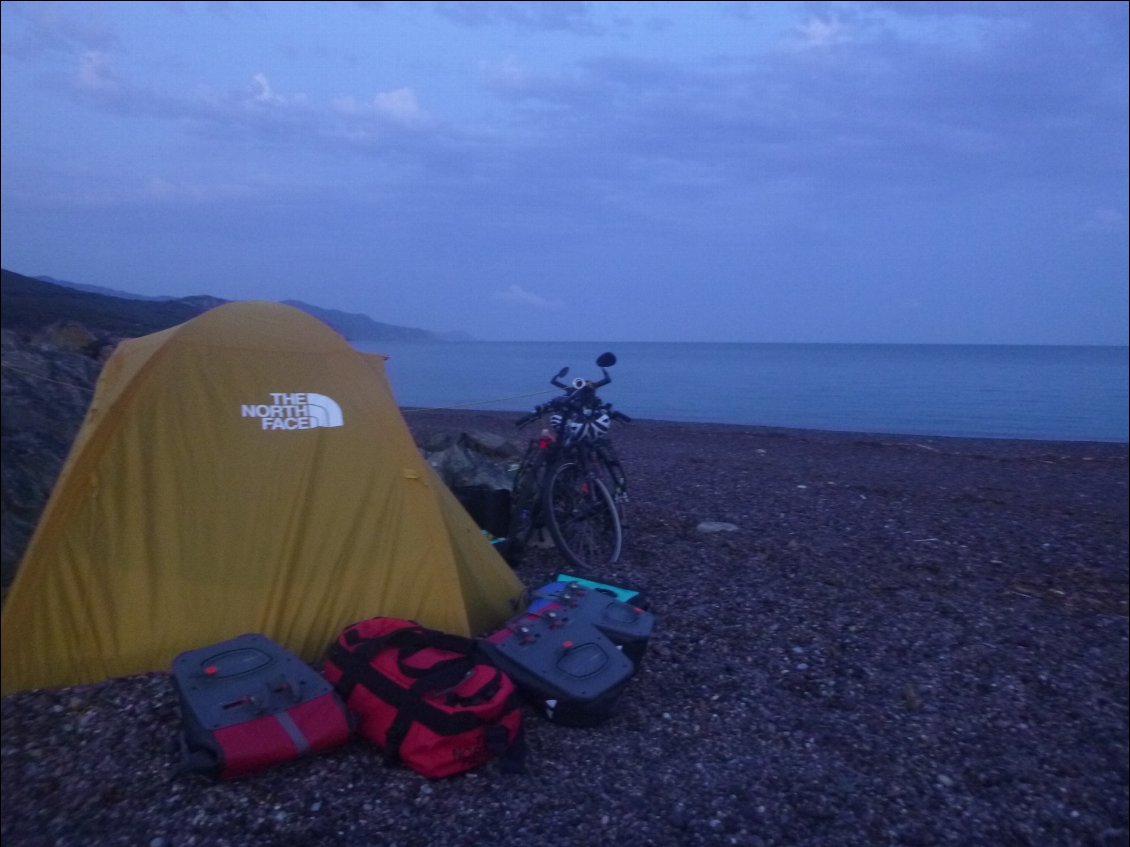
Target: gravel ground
[{"x": 903, "y": 641}]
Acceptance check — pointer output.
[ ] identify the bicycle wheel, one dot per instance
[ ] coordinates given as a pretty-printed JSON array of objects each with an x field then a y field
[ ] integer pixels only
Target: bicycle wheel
[{"x": 581, "y": 516}]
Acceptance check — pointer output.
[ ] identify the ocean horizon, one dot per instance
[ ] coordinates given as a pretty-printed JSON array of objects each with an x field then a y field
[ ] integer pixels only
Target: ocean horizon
[{"x": 1033, "y": 392}]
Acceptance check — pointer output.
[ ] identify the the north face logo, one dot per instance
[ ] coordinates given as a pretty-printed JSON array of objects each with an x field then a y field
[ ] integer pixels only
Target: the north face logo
[{"x": 295, "y": 411}]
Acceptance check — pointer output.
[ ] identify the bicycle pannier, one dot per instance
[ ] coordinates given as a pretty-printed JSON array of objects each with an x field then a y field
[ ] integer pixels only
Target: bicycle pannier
[
  {"x": 571, "y": 671},
  {"x": 248, "y": 703}
]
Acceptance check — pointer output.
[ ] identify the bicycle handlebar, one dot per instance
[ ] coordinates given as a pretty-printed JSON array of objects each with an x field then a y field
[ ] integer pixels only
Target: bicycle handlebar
[{"x": 574, "y": 399}]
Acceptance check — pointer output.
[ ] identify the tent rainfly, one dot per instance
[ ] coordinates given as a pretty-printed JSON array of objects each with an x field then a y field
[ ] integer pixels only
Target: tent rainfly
[{"x": 246, "y": 471}]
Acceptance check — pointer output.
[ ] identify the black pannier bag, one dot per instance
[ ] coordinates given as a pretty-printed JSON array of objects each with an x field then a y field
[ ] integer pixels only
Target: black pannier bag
[
  {"x": 489, "y": 507},
  {"x": 566, "y": 668},
  {"x": 628, "y": 624},
  {"x": 573, "y": 651}
]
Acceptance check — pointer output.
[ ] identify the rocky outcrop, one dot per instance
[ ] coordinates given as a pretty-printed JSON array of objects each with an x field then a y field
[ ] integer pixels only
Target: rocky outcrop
[
  {"x": 472, "y": 459},
  {"x": 46, "y": 383}
]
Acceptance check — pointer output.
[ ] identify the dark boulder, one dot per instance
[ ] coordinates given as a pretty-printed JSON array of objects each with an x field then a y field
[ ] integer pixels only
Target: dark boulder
[{"x": 46, "y": 384}]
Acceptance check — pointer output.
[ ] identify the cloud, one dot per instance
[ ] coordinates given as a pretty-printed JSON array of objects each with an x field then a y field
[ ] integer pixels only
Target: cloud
[
  {"x": 550, "y": 15},
  {"x": 59, "y": 28},
  {"x": 399, "y": 106},
  {"x": 95, "y": 73},
  {"x": 519, "y": 296},
  {"x": 815, "y": 33},
  {"x": 506, "y": 75},
  {"x": 262, "y": 92}
]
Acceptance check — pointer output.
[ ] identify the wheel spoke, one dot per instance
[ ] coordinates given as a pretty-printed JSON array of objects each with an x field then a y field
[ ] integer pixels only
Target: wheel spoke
[{"x": 581, "y": 516}]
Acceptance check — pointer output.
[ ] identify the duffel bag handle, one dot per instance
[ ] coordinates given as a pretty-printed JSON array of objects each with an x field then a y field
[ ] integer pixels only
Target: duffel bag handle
[
  {"x": 446, "y": 673},
  {"x": 411, "y": 635},
  {"x": 412, "y": 639}
]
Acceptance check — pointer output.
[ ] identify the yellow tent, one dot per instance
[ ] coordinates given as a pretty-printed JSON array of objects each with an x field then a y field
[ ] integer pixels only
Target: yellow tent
[{"x": 246, "y": 471}]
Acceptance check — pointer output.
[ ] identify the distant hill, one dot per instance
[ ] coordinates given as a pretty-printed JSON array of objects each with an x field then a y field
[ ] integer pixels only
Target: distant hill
[
  {"x": 36, "y": 301},
  {"x": 30, "y": 304},
  {"x": 358, "y": 327},
  {"x": 98, "y": 289}
]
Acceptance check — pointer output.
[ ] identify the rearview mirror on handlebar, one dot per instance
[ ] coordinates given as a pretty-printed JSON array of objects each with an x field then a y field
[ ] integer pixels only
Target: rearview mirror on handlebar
[
  {"x": 604, "y": 360},
  {"x": 556, "y": 381}
]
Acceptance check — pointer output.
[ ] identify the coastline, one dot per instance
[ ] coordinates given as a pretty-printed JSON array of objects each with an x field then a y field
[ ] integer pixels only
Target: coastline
[
  {"x": 975, "y": 391},
  {"x": 904, "y": 640}
]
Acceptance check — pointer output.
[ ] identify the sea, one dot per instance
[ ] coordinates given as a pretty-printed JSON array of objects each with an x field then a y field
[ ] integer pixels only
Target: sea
[{"x": 1052, "y": 393}]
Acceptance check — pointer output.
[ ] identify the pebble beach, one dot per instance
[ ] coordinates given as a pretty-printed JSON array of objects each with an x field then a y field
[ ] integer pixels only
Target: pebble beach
[{"x": 860, "y": 640}]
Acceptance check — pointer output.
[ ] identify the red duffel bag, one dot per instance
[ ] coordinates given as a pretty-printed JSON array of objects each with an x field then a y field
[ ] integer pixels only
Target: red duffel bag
[{"x": 425, "y": 698}]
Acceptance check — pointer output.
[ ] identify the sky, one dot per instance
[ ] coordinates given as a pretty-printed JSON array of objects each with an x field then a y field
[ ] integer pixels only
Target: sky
[{"x": 912, "y": 172}]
